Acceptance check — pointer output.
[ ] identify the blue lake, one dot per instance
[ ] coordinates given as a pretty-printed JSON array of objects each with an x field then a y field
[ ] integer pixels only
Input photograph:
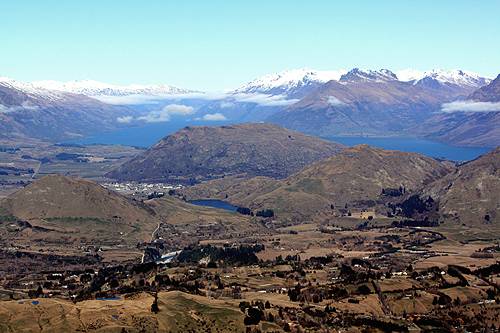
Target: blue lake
[
  {"x": 214, "y": 203},
  {"x": 145, "y": 136},
  {"x": 149, "y": 135},
  {"x": 424, "y": 147}
]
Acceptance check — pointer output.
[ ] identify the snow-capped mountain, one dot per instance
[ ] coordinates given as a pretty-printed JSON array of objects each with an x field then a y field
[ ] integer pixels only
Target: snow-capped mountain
[
  {"x": 27, "y": 111},
  {"x": 31, "y": 90},
  {"x": 291, "y": 82},
  {"x": 294, "y": 83},
  {"x": 459, "y": 77},
  {"x": 95, "y": 88}
]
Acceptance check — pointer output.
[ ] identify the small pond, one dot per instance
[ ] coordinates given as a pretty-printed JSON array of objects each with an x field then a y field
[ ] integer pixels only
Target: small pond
[{"x": 214, "y": 203}]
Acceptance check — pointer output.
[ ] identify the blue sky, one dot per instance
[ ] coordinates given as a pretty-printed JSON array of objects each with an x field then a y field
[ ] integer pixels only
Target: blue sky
[{"x": 215, "y": 45}]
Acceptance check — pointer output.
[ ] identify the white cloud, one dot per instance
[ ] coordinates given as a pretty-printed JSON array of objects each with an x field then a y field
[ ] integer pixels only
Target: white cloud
[
  {"x": 264, "y": 99},
  {"x": 164, "y": 115},
  {"x": 214, "y": 117},
  {"x": 261, "y": 99},
  {"x": 227, "y": 104},
  {"x": 9, "y": 109},
  {"x": 153, "y": 99},
  {"x": 24, "y": 106},
  {"x": 332, "y": 100},
  {"x": 178, "y": 109},
  {"x": 127, "y": 100},
  {"x": 470, "y": 106},
  {"x": 125, "y": 120}
]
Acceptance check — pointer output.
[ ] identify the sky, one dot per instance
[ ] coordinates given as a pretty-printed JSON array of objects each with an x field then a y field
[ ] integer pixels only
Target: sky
[{"x": 217, "y": 45}]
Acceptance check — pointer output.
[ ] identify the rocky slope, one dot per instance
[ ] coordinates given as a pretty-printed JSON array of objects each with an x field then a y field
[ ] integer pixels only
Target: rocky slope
[{"x": 253, "y": 149}]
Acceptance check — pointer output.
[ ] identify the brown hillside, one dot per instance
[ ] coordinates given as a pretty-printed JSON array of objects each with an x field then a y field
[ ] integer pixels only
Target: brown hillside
[
  {"x": 357, "y": 174},
  {"x": 248, "y": 150},
  {"x": 56, "y": 196},
  {"x": 471, "y": 192}
]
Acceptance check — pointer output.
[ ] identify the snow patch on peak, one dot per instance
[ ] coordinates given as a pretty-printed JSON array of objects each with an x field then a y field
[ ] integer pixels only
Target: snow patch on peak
[
  {"x": 288, "y": 81},
  {"x": 31, "y": 90},
  {"x": 410, "y": 75},
  {"x": 357, "y": 75},
  {"x": 459, "y": 77}
]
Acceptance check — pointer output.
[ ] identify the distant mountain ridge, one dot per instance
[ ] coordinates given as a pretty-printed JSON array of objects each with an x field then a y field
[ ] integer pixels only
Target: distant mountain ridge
[
  {"x": 295, "y": 83},
  {"x": 95, "y": 88},
  {"x": 30, "y": 112},
  {"x": 362, "y": 102},
  {"x": 322, "y": 103}
]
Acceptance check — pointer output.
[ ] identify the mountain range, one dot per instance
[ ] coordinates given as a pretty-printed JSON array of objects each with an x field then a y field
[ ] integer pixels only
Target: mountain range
[
  {"x": 361, "y": 102},
  {"x": 94, "y": 88},
  {"x": 322, "y": 103},
  {"x": 292, "y": 83},
  {"x": 30, "y": 112}
]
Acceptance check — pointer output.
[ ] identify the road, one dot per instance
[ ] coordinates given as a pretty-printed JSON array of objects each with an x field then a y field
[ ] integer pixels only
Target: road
[
  {"x": 153, "y": 234},
  {"x": 151, "y": 240},
  {"x": 36, "y": 171}
]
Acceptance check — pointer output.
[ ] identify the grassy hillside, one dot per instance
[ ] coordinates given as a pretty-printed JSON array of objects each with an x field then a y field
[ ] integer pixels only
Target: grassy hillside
[{"x": 355, "y": 177}]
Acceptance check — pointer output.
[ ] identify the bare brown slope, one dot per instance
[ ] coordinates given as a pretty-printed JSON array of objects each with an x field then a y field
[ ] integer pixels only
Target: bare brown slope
[
  {"x": 249, "y": 150},
  {"x": 56, "y": 196},
  {"x": 356, "y": 174},
  {"x": 471, "y": 192}
]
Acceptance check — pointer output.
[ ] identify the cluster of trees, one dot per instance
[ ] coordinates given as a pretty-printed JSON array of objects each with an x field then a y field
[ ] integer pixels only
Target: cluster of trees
[
  {"x": 244, "y": 211},
  {"x": 393, "y": 192},
  {"x": 265, "y": 213},
  {"x": 261, "y": 213},
  {"x": 242, "y": 255},
  {"x": 414, "y": 203},
  {"x": 68, "y": 156},
  {"x": 413, "y": 223}
]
